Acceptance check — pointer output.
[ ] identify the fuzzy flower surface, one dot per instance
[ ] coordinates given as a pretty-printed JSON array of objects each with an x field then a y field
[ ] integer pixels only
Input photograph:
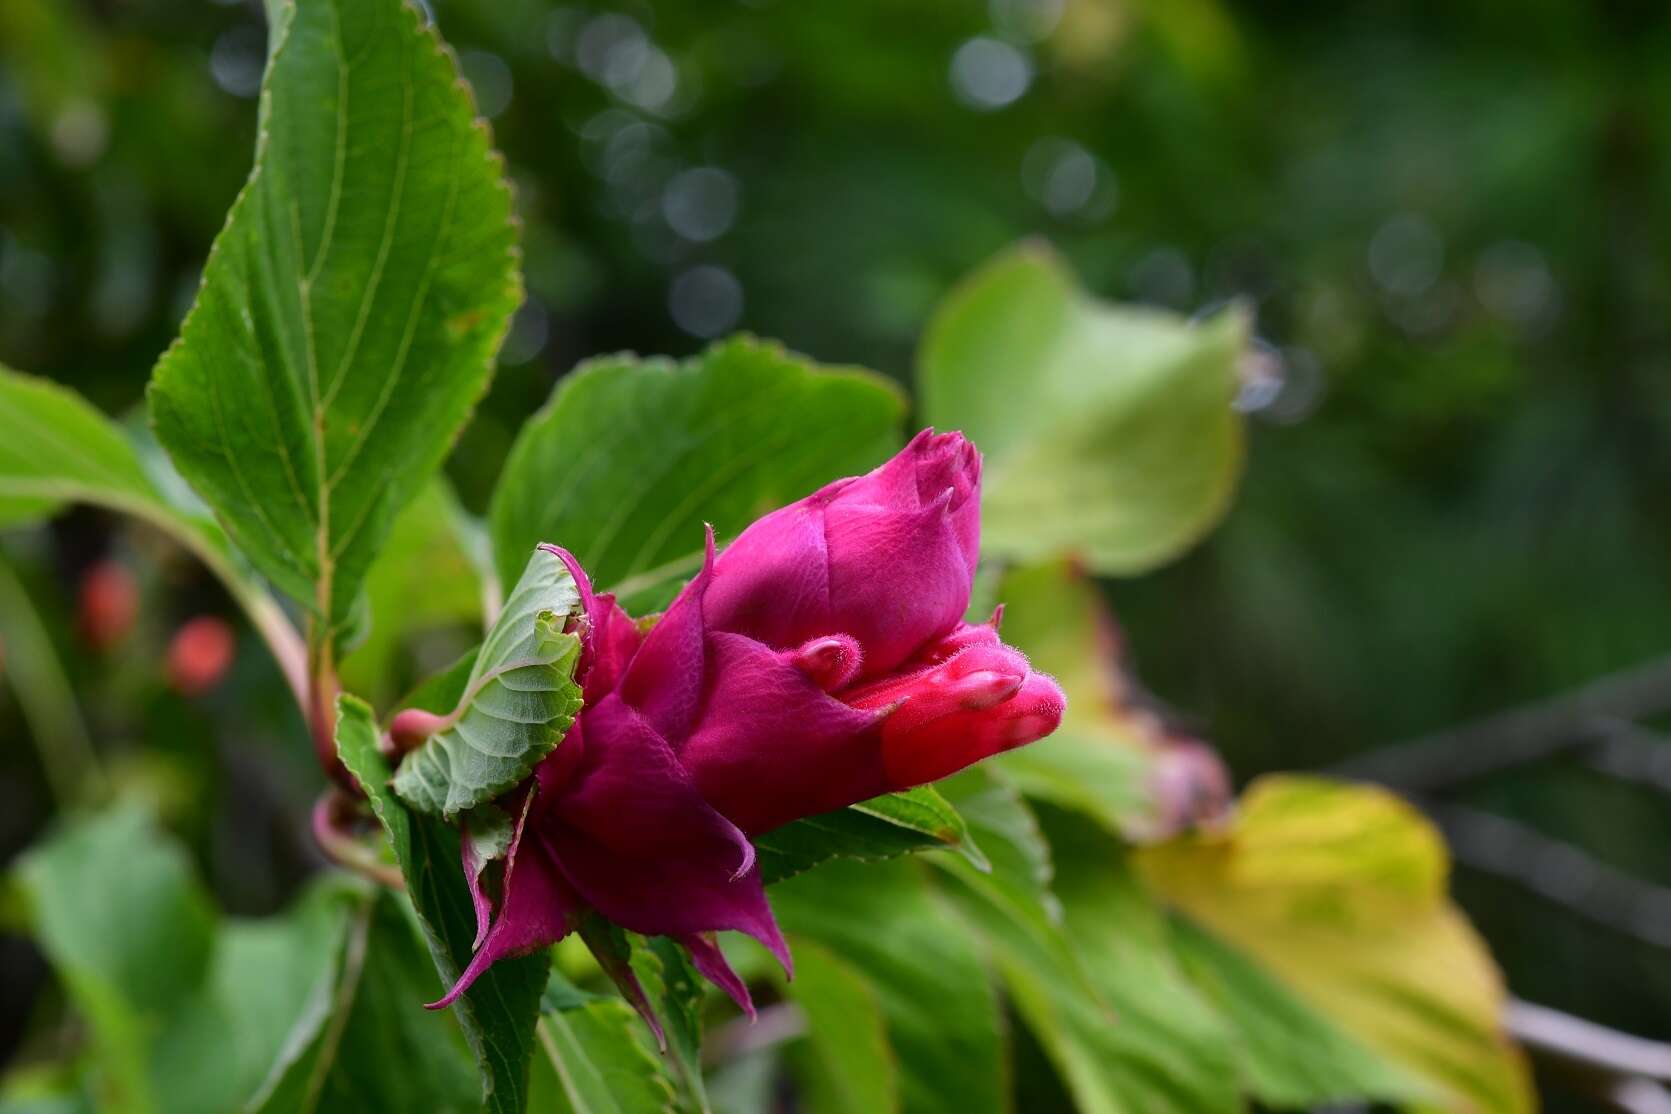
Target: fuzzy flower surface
[{"x": 820, "y": 660}]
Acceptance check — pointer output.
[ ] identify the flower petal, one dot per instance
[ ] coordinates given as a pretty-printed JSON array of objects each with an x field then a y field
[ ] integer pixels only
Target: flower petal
[
  {"x": 773, "y": 582},
  {"x": 538, "y": 910},
  {"x": 610, "y": 638},
  {"x": 708, "y": 959},
  {"x": 887, "y": 558},
  {"x": 920, "y": 752},
  {"x": 665, "y": 677},
  {"x": 899, "y": 580},
  {"x": 773, "y": 746},
  {"x": 639, "y": 843}
]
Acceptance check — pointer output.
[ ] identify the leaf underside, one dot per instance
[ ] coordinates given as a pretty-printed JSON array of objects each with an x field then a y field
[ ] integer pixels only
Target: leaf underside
[{"x": 518, "y": 702}]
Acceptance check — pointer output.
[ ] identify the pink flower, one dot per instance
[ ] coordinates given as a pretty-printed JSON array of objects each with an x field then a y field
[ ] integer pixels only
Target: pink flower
[{"x": 820, "y": 661}]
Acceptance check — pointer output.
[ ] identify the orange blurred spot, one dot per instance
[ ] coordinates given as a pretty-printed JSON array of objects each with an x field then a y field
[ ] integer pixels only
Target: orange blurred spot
[
  {"x": 199, "y": 655},
  {"x": 108, "y": 605}
]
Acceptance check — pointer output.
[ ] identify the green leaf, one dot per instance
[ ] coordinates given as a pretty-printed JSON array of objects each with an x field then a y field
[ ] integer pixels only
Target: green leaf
[
  {"x": 518, "y": 702},
  {"x": 270, "y": 979},
  {"x": 885, "y": 921},
  {"x": 1108, "y": 430},
  {"x": 128, "y": 929},
  {"x": 1336, "y": 893},
  {"x": 497, "y": 1012},
  {"x": 423, "y": 580},
  {"x": 1288, "y": 1055},
  {"x": 351, "y": 306},
  {"x": 189, "y": 1016},
  {"x": 596, "y": 1058},
  {"x": 1088, "y": 965},
  {"x": 845, "y": 1066},
  {"x": 376, "y": 1049},
  {"x": 45, "y": 696},
  {"x": 882, "y": 828},
  {"x": 630, "y": 457},
  {"x": 57, "y": 449}
]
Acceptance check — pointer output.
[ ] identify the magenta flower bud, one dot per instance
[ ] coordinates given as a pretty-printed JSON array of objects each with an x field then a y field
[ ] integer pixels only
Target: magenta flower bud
[
  {"x": 886, "y": 559},
  {"x": 820, "y": 661}
]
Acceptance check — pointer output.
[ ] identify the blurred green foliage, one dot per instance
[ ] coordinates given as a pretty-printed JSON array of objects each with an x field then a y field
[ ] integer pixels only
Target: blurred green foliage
[{"x": 1451, "y": 221}]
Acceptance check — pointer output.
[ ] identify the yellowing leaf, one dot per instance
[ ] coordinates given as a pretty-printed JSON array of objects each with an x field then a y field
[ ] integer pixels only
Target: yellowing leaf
[{"x": 1338, "y": 893}]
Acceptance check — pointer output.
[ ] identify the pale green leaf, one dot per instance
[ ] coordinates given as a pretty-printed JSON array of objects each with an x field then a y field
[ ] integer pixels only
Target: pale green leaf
[
  {"x": 270, "y": 980},
  {"x": 128, "y": 929},
  {"x": 189, "y": 1014},
  {"x": 498, "y": 1012},
  {"x": 631, "y": 457},
  {"x": 518, "y": 702},
  {"x": 1101, "y": 759},
  {"x": 1108, "y": 430},
  {"x": 351, "y": 306}
]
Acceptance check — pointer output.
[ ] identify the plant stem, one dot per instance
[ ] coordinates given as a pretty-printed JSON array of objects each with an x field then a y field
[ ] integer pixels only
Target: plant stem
[
  {"x": 46, "y": 698},
  {"x": 334, "y": 814},
  {"x": 320, "y": 705}
]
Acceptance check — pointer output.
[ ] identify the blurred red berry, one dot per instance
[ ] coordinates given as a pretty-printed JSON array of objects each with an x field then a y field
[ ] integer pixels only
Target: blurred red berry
[
  {"x": 200, "y": 655},
  {"x": 108, "y": 605}
]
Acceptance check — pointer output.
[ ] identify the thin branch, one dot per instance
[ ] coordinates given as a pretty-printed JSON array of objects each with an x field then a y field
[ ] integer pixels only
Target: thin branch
[
  {"x": 335, "y": 815},
  {"x": 1639, "y": 1096},
  {"x": 1521, "y": 735},
  {"x": 46, "y": 698},
  {"x": 1557, "y": 871},
  {"x": 1634, "y": 754},
  {"x": 1585, "y": 1043}
]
